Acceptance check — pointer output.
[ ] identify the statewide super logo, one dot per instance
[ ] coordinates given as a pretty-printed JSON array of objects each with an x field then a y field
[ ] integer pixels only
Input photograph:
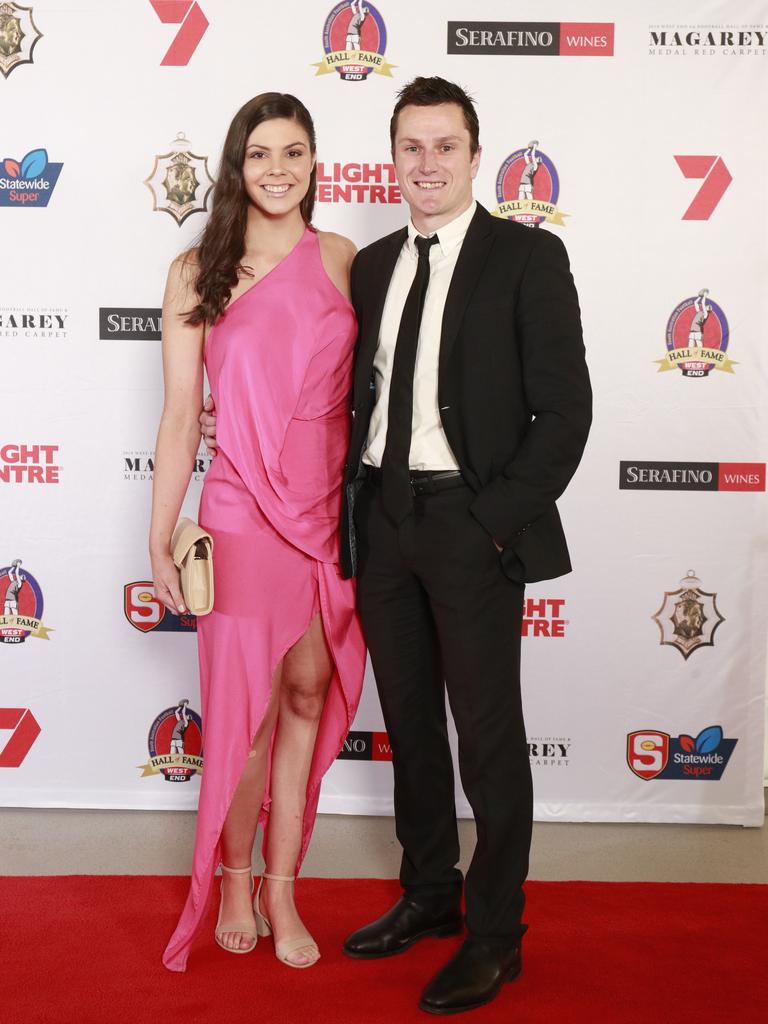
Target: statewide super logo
[
  {"x": 18, "y": 37},
  {"x": 29, "y": 181},
  {"x": 175, "y": 744},
  {"x": 528, "y": 187},
  {"x": 688, "y": 616},
  {"x": 148, "y": 614},
  {"x": 657, "y": 755},
  {"x": 697, "y": 338},
  {"x": 180, "y": 183},
  {"x": 21, "y": 601},
  {"x": 354, "y": 40}
]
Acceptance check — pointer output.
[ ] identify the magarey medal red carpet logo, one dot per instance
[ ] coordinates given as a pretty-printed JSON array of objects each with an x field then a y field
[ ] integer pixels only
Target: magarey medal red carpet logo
[
  {"x": 688, "y": 617},
  {"x": 175, "y": 744},
  {"x": 180, "y": 183},
  {"x": 18, "y": 37},
  {"x": 21, "y": 603},
  {"x": 528, "y": 187},
  {"x": 355, "y": 41},
  {"x": 697, "y": 338}
]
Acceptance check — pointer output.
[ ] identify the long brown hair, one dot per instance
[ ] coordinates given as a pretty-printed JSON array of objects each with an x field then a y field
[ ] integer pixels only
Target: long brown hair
[{"x": 223, "y": 239}]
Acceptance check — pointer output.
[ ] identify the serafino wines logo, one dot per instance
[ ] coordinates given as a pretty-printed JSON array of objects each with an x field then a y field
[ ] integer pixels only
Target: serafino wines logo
[
  {"x": 18, "y": 37},
  {"x": 528, "y": 187},
  {"x": 180, "y": 183},
  {"x": 193, "y": 24},
  {"x": 29, "y": 181},
  {"x": 21, "y": 601},
  {"x": 355, "y": 41},
  {"x": 697, "y": 338},
  {"x": 532, "y": 38},
  {"x": 716, "y": 177},
  {"x": 175, "y": 744},
  {"x": 366, "y": 746},
  {"x": 357, "y": 183},
  {"x": 29, "y": 464},
  {"x": 652, "y": 754},
  {"x": 691, "y": 476},
  {"x": 688, "y": 617}
]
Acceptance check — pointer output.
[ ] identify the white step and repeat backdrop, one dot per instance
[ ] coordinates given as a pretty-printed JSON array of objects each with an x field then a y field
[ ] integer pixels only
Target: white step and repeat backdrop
[{"x": 644, "y": 669}]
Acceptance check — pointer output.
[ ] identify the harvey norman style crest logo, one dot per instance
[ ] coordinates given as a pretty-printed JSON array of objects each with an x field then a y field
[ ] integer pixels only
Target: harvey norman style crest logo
[
  {"x": 175, "y": 744},
  {"x": 528, "y": 187},
  {"x": 697, "y": 338},
  {"x": 688, "y": 617},
  {"x": 18, "y": 37},
  {"x": 21, "y": 605},
  {"x": 180, "y": 183},
  {"x": 355, "y": 41}
]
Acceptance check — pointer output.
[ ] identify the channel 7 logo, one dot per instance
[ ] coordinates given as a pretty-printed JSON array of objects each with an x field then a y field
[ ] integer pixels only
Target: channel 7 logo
[{"x": 716, "y": 177}]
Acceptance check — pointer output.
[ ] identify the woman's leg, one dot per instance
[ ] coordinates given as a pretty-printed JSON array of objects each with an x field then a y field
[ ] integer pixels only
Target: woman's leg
[
  {"x": 239, "y": 829},
  {"x": 307, "y": 671}
]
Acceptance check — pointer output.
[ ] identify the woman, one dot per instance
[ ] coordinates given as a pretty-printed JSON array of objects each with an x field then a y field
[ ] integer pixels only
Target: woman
[{"x": 263, "y": 302}]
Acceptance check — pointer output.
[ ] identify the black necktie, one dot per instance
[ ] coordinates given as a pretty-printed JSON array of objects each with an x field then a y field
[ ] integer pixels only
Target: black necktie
[{"x": 395, "y": 482}]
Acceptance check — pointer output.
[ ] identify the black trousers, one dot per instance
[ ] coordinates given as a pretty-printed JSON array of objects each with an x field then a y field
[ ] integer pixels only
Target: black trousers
[{"x": 438, "y": 612}]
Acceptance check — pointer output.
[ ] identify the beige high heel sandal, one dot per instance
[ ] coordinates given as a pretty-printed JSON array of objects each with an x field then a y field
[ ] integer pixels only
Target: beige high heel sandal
[
  {"x": 246, "y": 927},
  {"x": 263, "y": 927}
]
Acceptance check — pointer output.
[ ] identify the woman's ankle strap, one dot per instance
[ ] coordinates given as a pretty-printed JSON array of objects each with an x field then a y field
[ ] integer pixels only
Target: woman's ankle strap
[
  {"x": 279, "y": 878},
  {"x": 236, "y": 871}
]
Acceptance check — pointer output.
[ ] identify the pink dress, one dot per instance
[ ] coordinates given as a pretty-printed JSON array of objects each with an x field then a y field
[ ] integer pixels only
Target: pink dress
[{"x": 279, "y": 364}]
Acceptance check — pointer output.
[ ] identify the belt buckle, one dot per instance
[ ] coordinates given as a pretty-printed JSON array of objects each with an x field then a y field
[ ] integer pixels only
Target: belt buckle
[{"x": 423, "y": 485}]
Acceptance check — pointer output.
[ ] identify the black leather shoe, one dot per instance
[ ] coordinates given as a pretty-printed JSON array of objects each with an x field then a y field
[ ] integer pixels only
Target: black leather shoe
[
  {"x": 473, "y": 977},
  {"x": 413, "y": 917}
]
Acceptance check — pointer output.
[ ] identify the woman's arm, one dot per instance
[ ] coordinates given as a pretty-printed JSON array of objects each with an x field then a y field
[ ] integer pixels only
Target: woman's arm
[{"x": 179, "y": 436}]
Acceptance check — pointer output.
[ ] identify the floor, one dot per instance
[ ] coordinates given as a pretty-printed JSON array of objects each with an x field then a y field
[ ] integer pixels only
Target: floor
[{"x": 53, "y": 842}]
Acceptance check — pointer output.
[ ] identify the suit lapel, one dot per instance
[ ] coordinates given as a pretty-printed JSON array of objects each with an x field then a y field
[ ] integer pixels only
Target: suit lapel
[
  {"x": 372, "y": 313},
  {"x": 469, "y": 266}
]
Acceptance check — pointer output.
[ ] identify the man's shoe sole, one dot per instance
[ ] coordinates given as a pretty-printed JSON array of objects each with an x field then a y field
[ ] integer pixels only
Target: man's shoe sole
[
  {"x": 444, "y": 932},
  {"x": 513, "y": 975}
]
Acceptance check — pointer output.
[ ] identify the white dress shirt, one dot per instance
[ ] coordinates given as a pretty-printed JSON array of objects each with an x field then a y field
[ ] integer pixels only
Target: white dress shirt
[{"x": 429, "y": 446}]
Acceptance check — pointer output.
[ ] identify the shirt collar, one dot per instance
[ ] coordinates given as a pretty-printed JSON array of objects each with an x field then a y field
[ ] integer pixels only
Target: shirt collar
[{"x": 449, "y": 236}]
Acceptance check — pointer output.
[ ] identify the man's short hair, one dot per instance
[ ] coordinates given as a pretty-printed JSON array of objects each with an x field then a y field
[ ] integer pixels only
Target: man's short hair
[{"x": 429, "y": 92}]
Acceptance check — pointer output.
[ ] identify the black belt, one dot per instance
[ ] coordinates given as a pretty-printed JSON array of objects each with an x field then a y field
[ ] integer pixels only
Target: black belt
[{"x": 424, "y": 481}]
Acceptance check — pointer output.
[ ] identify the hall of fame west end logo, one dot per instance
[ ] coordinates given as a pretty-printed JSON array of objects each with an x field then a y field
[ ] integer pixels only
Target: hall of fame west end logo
[
  {"x": 354, "y": 41},
  {"x": 697, "y": 338},
  {"x": 528, "y": 188}
]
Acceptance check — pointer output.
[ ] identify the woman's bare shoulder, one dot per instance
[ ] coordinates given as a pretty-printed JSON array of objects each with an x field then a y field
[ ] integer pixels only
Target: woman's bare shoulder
[{"x": 337, "y": 247}]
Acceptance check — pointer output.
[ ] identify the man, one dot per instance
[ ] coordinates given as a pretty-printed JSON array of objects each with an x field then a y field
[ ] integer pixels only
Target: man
[{"x": 471, "y": 410}]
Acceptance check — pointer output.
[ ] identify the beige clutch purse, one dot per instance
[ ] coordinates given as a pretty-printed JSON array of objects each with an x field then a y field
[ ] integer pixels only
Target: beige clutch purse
[{"x": 192, "y": 553}]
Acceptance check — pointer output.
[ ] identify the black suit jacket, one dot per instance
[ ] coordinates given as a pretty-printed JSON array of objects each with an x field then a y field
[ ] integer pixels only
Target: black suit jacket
[{"x": 513, "y": 386}]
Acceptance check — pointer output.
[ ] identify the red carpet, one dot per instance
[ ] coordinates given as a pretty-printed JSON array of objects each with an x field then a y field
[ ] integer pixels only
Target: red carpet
[{"x": 86, "y": 950}]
